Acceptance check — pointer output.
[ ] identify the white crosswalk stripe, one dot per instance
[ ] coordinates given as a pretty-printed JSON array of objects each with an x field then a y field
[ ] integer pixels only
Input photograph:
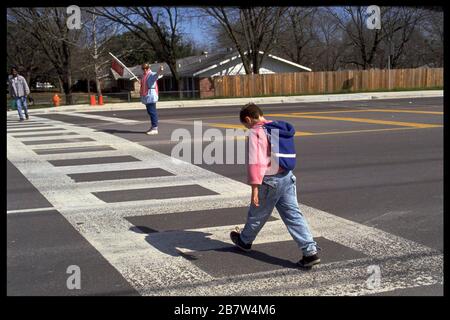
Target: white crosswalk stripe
[
  {"x": 28, "y": 210},
  {"x": 103, "y": 118},
  {"x": 84, "y": 155},
  {"x": 153, "y": 271}
]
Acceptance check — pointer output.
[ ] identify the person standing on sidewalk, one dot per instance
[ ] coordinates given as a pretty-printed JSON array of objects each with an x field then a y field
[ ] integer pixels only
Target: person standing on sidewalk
[
  {"x": 19, "y": 90},
  {"x": 271, "y": 159},
  {"x": 149, "y": 94}
]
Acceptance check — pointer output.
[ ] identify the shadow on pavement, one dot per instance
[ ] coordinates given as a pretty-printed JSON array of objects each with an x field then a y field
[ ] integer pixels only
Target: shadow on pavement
[
  {"x": 170, "y": 242},
  {"x": 112, "y": 131}
]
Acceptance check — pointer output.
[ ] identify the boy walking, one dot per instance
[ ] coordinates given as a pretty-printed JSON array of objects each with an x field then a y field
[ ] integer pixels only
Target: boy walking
[{"x": 273, "y": 183}]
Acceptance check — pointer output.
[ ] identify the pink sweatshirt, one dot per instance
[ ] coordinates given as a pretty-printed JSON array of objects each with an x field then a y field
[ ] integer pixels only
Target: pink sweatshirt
[{"x": 259, "y": 160}]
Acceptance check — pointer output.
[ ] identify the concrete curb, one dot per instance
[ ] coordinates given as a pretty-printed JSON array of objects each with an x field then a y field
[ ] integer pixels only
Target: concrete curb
[{"x": 242, "y": 101}]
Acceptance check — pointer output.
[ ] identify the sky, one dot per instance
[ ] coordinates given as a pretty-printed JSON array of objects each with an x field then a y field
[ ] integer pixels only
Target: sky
[{"x": 196, "y": 28}]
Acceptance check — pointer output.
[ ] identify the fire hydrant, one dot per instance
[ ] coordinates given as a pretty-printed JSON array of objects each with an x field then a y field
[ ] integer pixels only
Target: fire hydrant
[{"x": 56, "y": 99}]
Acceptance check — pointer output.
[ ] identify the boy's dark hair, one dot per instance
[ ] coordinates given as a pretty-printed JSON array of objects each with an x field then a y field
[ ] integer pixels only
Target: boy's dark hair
[{"x": 250, "y": 110}]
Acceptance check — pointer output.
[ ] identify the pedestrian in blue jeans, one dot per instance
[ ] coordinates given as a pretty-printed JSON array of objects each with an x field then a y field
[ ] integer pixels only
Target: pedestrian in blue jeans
[
  {"x": 19, "y": 90},
  {"x": 149, "y": 94},
  {"x": 271, "y": 158}
]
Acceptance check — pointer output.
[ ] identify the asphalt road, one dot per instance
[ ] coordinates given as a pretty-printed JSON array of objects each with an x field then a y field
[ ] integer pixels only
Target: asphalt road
[{"x": 93, "y": 190}]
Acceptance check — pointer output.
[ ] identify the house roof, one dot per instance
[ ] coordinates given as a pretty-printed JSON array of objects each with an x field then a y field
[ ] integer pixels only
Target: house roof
[{"x": 196, "y": 65}]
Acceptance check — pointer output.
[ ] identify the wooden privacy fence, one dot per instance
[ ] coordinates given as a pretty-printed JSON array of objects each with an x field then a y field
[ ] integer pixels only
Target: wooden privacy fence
[{"x": 326, "y": 82}]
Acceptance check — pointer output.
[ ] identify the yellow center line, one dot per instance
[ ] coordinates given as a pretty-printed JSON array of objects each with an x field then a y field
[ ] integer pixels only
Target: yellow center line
[
  {"x": 226, "y": 126},
  {"x": 370, "y": 110},
  {"x": 211, "y": 117},
  {"x": 360, "y": 120},
  {"x": 323, "y": 112},
  {"x": 303, "y": 133},
  {"x": 236, "y": 126},
  {"x": 362, "y": 131},
  {"x": 406, "y": 111},
  {"x": 300, "y": 134}
]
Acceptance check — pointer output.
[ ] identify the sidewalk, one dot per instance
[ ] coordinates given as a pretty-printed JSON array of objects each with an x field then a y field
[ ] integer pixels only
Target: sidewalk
[{"x": 242, "y": 101}]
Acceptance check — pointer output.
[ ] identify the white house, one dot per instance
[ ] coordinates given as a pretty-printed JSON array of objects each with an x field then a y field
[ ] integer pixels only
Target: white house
[
  {"x": 196, "y": 72},
  {"x": 232, "y": 65}
]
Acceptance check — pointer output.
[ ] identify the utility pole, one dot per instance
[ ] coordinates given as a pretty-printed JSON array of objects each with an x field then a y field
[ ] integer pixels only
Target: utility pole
[
  {"x": 95, "y": 55},
  {"x": 389, "y": 63}
]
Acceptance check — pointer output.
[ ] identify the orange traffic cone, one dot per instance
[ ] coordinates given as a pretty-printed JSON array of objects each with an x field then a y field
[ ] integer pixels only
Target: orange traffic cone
[
  {"x": 93, "y": 101},
  {"x": 100, "y": 100}
]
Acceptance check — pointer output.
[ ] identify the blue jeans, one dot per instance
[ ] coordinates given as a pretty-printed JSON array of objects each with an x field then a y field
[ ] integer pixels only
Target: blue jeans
[
  {"x": 21, "y": 103},
  {"x": 279, "y": 191},
  {"x": 151, "y": 109}
]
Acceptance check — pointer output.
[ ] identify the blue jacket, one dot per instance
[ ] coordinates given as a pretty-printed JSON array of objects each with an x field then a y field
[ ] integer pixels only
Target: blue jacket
[
  {"x": 151, "y": 96},
  {"x": 281, "y": 138}
]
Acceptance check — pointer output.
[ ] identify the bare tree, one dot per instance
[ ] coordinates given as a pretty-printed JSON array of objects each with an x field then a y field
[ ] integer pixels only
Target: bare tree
[
  {"x": 48, "y": 27},
  {"x": 253, "y": 31},
  {"x": 352, "y": 21},
  {"x": 328, "y": 46},
  {"x": 310, "y": 36},
  {"x": 328, "y": 38},
  {"x": 398, "y": 25},
  {"x": 158, "y": 27},
  {"x": 432, "y": 28},
  {"x": 22, "y": 51},
  {"x": 298, "y": 34},
  {"x": 98, "y": 32}
]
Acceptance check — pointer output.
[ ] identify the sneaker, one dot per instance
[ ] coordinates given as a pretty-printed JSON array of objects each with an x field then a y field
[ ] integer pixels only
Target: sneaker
[
  {"x": 309, "y": 261},
  {"x": 21, "y": 120},
  {"x": 152, "y": 131},
  {"x": 236, "y": 238},
  {"x": 26, "y": 116}
]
